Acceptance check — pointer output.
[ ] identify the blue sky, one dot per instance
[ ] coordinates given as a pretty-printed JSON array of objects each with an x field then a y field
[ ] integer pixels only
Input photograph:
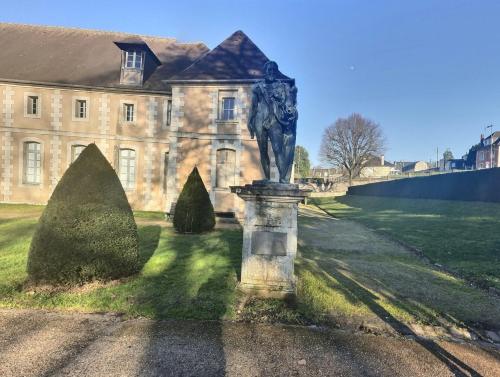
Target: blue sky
[{"x": 427, "y": 71}]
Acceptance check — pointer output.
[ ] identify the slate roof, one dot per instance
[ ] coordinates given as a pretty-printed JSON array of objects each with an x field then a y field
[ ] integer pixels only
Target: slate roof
[
  {"x": 55, "y": 55},
  {"x": 235, "y": 59},
  {"x": 411, "y": 165},
  {"x": 495, "y": 135},
  {"x": 376, "y": 162}
]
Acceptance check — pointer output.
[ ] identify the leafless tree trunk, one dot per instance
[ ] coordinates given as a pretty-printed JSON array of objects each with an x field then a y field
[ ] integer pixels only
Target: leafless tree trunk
[{"x": 350, "y": 143}]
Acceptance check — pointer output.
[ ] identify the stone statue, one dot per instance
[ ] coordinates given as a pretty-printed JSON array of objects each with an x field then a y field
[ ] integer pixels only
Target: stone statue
[{"x": 273, "y": 117}]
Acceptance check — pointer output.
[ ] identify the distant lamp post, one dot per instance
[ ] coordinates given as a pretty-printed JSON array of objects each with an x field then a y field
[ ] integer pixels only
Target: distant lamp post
[{"x": 491, "y": 144}]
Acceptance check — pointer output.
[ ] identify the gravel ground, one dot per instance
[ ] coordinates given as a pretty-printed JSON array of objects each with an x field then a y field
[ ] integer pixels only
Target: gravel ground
[{"x": 41, "y": 343}]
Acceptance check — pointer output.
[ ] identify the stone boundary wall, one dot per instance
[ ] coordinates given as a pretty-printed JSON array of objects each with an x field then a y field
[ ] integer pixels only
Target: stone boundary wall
[{"x": 477, "y": 185}]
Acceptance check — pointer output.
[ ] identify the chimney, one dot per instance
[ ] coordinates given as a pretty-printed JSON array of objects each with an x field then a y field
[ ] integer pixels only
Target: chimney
[
  {"x": 382, "y": 160},
  {"x": 482, "y": 138}
]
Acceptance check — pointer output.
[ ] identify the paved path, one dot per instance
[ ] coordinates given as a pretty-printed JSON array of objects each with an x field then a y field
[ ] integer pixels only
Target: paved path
[{"x": 40, "y": 343}]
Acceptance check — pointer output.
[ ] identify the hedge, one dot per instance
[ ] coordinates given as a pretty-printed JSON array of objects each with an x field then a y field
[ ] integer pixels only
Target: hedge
[
  {"x": 476, "y": 185},
  {"x": 87, "y": 230},
  {"x": 194, "y": 212}
]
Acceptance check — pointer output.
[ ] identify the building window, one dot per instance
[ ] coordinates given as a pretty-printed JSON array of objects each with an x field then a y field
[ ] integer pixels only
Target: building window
[
  {"x": 126, "y": 168},
  {"x": 228, "y": 108},
  {"x": 133, "y": 59},
  {"x": 128, "y": 112},
  {"x": 165, "y": 171},
  {"x": 169, "y": 112},
  {"x": 80, "y": 109},
  {"x": 32, "y": 105},
  {"x": 226, "y": 173},
  {"x": 32, "y": 163},
  {"x": 76, "y": 150}
]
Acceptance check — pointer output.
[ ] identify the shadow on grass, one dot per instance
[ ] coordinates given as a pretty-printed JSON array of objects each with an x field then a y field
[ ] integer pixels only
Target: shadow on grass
[
  {"x": 459, "y": 235},
  {"x": 456, "y": 366},
  {"x": 149, "y": 238},
  {"x": 355, "y": 293},
  {"x": 190, "y": 277},
  {"x": 182, "y": 277}
]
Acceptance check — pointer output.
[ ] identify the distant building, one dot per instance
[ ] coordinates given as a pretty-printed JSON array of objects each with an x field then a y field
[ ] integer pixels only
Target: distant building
[
  {"x": 415, "y": 167},
  {"x": 453, "y": 164},
  {"x": 411, "y": 166},
  {"x": 470, "y": 157},
  {"x": 487, "y": 152},
  {"x": 327, "y": 174},
  {"x": 399, "y": 165},
  {"x": 377, "y": 167}
]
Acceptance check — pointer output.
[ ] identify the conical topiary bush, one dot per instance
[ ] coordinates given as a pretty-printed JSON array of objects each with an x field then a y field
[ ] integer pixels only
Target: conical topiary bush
[
  {"x": 194, "y": 212},
  {"x": 87, "y": 231}
]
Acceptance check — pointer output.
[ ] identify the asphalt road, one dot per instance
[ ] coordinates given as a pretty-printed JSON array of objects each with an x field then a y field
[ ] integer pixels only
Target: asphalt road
[{"x": 41, "y": 343}]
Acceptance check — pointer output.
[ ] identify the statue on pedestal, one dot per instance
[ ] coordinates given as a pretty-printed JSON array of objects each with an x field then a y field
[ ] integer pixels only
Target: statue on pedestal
[
  {"x": 273, "y": 117},
  {"x": 270, "y": 222}
]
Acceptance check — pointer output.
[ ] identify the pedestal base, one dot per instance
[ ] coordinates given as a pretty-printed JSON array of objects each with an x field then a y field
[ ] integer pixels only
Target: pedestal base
[
  {"x": 267, "y": 291},
  {"x": 269, "y": 237}
]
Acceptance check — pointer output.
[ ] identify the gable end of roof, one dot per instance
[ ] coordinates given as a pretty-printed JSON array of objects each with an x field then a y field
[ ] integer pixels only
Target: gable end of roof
[{"x": 237, "y": 58}]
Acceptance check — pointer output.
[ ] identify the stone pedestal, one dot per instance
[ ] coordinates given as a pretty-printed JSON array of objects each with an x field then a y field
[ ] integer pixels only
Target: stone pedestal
[{"x": 269, "y": 237}]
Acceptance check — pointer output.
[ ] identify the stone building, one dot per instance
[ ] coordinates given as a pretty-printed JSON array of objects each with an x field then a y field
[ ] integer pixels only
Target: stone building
[
  {"x": 377, "y": 167},
  {"x": 154, "y": 106},
  {"x": 407, "y": 167}
]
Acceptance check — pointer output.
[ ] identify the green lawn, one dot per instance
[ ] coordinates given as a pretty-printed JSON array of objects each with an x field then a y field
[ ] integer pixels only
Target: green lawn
[
  {"x": 183, "y": 276},
  {"x": 463, "y": 236},
  {"x": 345, "y": 275},
  {"x": 149, "y": 215}
]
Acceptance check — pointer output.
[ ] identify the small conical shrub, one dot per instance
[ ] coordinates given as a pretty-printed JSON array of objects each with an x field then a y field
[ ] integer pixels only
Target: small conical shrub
[
  {"x": 87, "y": 231},
  {"x": 194, "y": 212}
]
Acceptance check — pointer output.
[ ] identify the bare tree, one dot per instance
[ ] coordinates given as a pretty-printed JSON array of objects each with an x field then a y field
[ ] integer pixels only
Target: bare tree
[{"x": 350, "y": 143}]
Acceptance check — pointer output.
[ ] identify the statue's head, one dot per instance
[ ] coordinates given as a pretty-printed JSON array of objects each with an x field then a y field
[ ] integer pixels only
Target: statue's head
[{"x": 270, "y": 70}]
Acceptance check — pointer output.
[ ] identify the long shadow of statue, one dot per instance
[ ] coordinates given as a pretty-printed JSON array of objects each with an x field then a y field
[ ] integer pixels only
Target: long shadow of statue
[
  {"x": 456, "y": 366},
  {"x": 176, "y": 291}
]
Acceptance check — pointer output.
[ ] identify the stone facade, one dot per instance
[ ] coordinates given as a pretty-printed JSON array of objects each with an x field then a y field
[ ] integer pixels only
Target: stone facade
[
  {"x": 197, "y": 131},
  {"x": 192, "y": 139}
]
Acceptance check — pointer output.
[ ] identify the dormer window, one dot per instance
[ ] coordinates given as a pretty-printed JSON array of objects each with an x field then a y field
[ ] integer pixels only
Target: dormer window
[
  {"x": 138, "y": 61},
  {"x": 132, "y": 67},
  {"x": 134, "y": 59}
]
